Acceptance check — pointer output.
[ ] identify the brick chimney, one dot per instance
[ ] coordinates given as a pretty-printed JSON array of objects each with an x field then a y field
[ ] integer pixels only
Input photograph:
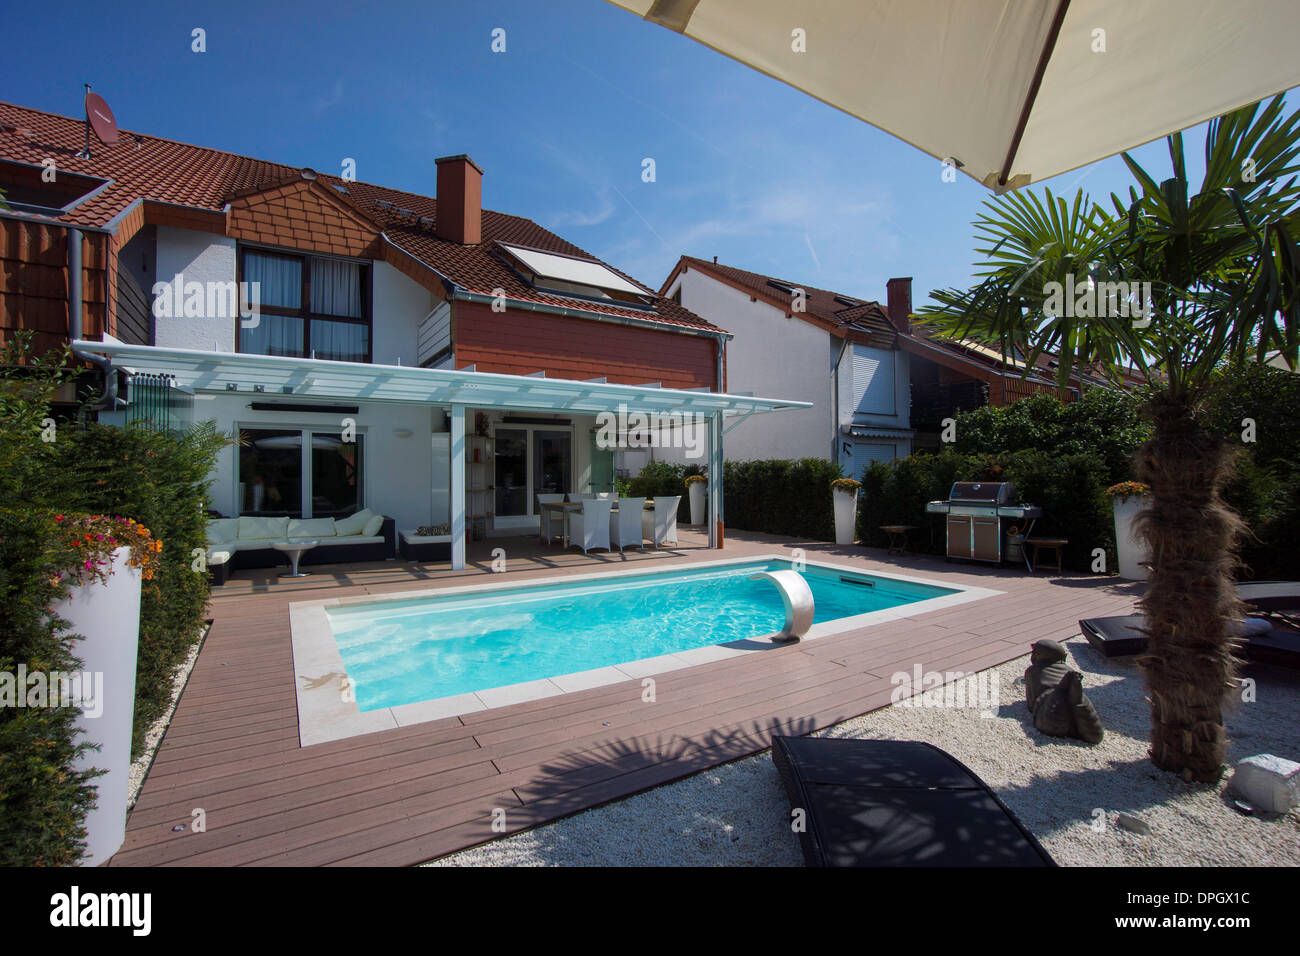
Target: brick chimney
[
  {"x": 460, "y": 200},
  {"x": 900, "y": 303}
]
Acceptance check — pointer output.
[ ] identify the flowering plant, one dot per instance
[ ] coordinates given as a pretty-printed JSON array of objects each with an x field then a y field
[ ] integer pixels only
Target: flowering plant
[
  {"x": 94, "y": 538},
  {"x": 694, "y": 480},
  {"x": 845, "y": 484},
  {"x": 1128, "y": 489}
]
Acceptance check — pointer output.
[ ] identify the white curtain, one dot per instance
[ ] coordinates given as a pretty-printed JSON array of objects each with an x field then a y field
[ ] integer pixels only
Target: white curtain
[
  {"x": 273, "y": 335},
  {"x": 340, "y": 341},
  {"x": 280, "y": 279},
  {"x": 335, "y": 288}
]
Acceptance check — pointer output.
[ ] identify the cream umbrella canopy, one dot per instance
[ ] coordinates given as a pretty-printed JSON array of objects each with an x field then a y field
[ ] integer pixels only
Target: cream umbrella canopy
[{"x": 1009, "y": 91}]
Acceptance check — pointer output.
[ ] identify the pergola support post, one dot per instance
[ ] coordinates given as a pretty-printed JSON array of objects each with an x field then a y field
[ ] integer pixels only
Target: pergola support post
[
  {"x": 715, "y": 481},
  {"x": 457, "y": 487}
]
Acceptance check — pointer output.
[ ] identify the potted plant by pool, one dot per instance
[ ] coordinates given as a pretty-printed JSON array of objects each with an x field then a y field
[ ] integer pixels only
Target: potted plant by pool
[
  {"x": 695, "y": 489},
  {"x": 102, "y": 607},
  {"x": 1129, "y": 499},
  {"x": 844, "y": 492}
]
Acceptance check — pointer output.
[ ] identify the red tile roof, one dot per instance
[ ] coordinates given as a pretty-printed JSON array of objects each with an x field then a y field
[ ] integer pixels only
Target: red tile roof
[
  {"x": 146, "y": 167},
  {"x": 818, "y": 303}
]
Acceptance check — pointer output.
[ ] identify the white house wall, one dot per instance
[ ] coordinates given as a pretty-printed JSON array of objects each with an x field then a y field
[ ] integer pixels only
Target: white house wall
[
  {"x": 196, "y": 257},
  {"x": 769, "y": 355},
  {"x": 399, "y": 305}
]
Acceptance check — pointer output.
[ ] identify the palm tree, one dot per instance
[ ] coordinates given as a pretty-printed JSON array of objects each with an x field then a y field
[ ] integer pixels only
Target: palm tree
[{"x": 1213, "y": 277}]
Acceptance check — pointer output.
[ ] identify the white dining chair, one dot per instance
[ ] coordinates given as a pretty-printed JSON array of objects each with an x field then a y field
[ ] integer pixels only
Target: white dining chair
[
  {"x": 625, "y": 528},
  {"x": 612, "y": 495},
  {"x": 546, "y": 533},
  {"x": 660, "y": 525},
  {"x": 590, "y": 528},
  {"x": 581, "y": 495}
]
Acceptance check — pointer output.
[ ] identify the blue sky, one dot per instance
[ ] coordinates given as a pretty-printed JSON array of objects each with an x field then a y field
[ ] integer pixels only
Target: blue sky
[{"x": 747, "y": 169}]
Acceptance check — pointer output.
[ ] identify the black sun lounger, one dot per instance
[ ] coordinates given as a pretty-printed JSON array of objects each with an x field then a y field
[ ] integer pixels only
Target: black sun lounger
[
  {"x": 1118, "y": 636},
  {"x": 897, "y": 803}
]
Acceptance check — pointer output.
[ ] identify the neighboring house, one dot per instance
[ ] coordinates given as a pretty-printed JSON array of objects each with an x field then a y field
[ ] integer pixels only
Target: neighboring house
[
  {"x": 880, "y": 387},
  {"x": 472, "y": 319}
]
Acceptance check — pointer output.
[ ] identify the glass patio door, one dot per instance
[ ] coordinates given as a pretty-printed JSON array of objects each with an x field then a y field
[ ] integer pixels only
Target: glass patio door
[
  {"x": 512, "y": 474},
  {"x": 529, "y": 461},
  {"x": 552, "y": 461}
]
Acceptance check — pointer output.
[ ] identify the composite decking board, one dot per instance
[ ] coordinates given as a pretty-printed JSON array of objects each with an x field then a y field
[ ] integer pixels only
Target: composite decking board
[
  {"x": 245, "y": 800},
  {"x": 718, "y": 683},
  {"x": 382, "y": 798},
  {"x": 291, "y": 823}
]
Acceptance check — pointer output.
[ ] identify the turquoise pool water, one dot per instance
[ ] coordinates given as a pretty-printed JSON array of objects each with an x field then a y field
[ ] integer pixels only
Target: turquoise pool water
[{"x": 401, "y": 652}]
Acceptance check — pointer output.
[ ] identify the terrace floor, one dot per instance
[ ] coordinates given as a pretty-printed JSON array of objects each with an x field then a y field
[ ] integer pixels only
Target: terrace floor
[{"x": 410, "y": 794}]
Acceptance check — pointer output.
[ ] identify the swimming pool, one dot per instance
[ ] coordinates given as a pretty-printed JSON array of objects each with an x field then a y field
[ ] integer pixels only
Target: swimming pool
[{"x": 399, "y": 652}]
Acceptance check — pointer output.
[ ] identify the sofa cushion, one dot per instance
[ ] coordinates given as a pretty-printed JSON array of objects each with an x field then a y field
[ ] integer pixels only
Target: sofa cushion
[
  {"x": 223, "y": 529},
  {"x": 353, "y": 524},
  {"x": 220, "y": 554},
  {"x": 311, "y": 528},
  {"x": 251, "y": 527},
  {"x": 372, "y": 526}
]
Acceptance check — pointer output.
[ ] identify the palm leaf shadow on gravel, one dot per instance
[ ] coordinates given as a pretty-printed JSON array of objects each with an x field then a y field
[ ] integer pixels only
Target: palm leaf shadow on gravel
[{"x": 624, "y": 766}]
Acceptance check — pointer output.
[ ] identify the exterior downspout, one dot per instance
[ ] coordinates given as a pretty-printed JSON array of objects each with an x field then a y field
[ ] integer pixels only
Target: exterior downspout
[
  {"x": 835, "y": 400},
  {"x": 108, "y": 400}
]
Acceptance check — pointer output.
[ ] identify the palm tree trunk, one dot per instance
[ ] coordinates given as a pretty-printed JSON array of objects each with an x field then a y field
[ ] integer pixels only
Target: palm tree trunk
[{"x": 1191, "y": 600}]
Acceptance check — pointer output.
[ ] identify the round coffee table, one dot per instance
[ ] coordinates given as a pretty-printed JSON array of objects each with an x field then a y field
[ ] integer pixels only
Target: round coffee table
[{"x": 295, "y": 550}]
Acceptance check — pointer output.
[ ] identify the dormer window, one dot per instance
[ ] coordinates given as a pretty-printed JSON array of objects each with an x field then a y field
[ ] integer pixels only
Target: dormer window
[
  {"x": 28, "y": 189},
  {"x": 309, "y": 306},
  {"x": 573, "y": 276}
]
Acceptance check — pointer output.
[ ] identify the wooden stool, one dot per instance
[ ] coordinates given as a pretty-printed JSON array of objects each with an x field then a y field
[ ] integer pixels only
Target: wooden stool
[
  {"x": 1048, "y": 544},
  {"x": 897, "y": 537}
]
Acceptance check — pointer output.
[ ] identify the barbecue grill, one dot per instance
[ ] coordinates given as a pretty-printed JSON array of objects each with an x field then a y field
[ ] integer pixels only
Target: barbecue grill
[{"x": 975, "y": 511}]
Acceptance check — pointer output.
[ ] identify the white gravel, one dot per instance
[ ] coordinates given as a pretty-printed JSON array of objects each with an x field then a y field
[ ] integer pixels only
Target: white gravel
[
  {"x": 1068, "y": 794},
  {"x": 153, "y": 737}
]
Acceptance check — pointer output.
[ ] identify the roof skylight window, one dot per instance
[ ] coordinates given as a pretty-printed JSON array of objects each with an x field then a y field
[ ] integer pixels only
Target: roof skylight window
[{"x": 570, "y": 275}]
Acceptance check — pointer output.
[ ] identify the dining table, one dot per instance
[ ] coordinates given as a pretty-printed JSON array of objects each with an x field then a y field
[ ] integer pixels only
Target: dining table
[{"x": 563, "y": 510}]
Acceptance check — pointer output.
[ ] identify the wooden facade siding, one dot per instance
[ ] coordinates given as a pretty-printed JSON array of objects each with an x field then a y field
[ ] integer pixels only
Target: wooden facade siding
[{"x": 520, "y": 342}]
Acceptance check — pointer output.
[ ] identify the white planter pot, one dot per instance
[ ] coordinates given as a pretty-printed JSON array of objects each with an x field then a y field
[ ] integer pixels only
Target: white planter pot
[
  {"x": 1131, "y": 552},
  {"x": 107, "y": 616},
  {"x": 699, "y": 514},
  {"x": 846, "y": 515}
]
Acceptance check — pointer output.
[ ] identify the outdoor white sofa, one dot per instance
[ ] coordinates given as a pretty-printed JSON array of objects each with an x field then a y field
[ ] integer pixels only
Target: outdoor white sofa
[{"x": 246, "y": 541}]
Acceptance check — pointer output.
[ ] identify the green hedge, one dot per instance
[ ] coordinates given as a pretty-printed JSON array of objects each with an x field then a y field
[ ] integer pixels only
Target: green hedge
[
  {"x": 1092, "y": 442},
  {"x": 1069, "y": 488},
  {"x": 778, "y": 496}
]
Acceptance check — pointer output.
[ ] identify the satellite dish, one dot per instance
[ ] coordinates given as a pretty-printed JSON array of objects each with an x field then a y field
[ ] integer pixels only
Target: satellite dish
[{"x": 100, "y": 118}]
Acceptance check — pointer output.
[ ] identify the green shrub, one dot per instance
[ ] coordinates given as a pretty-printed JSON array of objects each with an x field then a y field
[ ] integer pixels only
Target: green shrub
[
  {"x": 1104, "y": 423},
  {"x": 43, "y": 799},
  {"x": 161, "y": 480},
  {"x": 661, "y": 479}
]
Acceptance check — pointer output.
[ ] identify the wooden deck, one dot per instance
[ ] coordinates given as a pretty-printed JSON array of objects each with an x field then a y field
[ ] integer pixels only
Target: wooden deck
[{"x": 404, "y": 796}]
